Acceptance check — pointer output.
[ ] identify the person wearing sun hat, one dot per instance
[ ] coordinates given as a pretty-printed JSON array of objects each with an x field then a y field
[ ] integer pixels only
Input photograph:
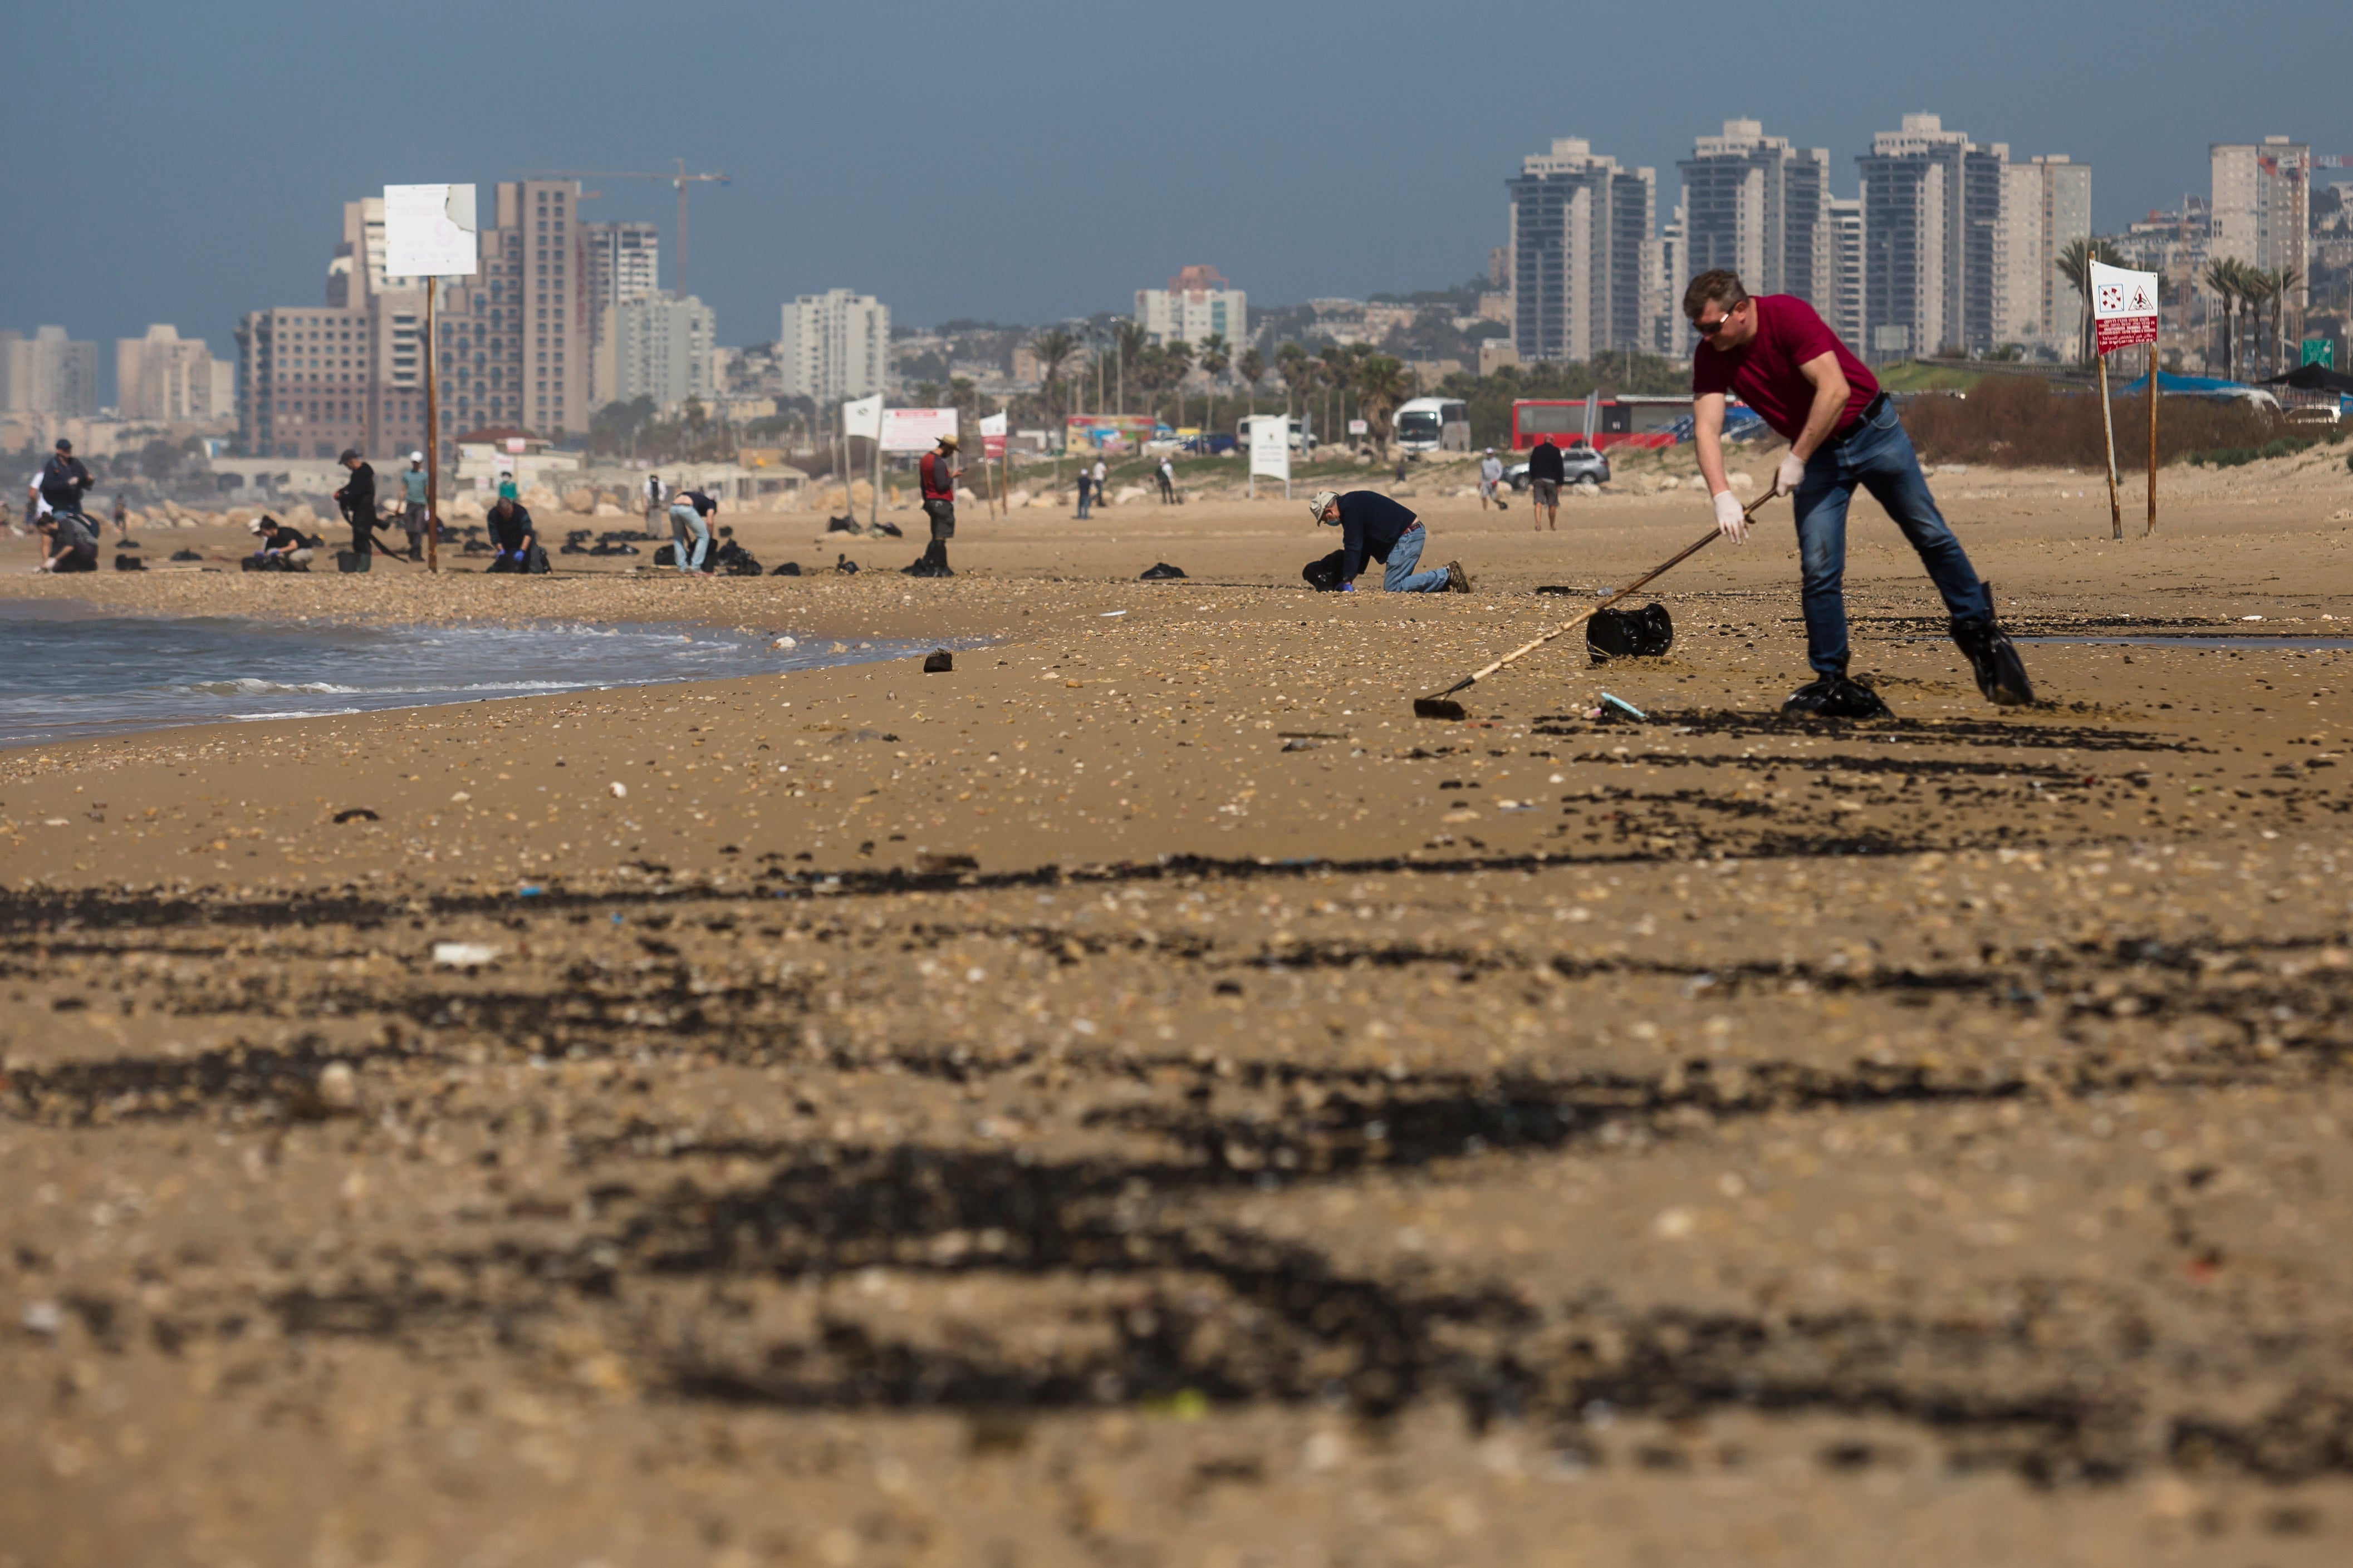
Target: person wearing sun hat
[
  {"x": 939, "y": 480},
  {"x": 1375, "y": 528}
]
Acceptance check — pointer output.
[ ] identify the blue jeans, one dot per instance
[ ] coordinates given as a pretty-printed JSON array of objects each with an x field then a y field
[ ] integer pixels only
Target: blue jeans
[
  {"x": 682, "y": 519},
  {"x": 1400, "y": 576},
  {"x": 1879, "y": 459},
  {"x": 1084, "y": 496}
]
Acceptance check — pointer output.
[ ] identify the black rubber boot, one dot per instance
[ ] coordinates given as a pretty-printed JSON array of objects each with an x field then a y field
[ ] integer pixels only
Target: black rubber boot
[
  {"x": 1993, "y": 658},
  {"x": 933, "y": 563},
  {"x": 1835, "y": 697}
]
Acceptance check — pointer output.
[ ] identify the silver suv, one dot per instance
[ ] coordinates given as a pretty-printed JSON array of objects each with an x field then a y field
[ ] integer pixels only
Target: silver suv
[{"x": 1580, "y": 465}]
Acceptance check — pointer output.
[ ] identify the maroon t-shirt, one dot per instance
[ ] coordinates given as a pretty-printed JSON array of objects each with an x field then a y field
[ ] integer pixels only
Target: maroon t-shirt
[{"x": 1763, "y": 372}]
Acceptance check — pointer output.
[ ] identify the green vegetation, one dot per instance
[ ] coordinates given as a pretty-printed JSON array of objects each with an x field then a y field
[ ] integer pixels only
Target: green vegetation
[{"x": 1926, "y": 376}]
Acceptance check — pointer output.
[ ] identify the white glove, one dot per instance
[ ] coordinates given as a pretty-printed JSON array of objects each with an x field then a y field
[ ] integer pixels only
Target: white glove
[
  {"x": 1792, "y": 470},
  {"x": 1730, "y": 521}
]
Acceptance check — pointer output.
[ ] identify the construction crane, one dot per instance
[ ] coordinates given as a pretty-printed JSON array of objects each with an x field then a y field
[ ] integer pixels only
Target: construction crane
[{"x": 678, "y": 177}]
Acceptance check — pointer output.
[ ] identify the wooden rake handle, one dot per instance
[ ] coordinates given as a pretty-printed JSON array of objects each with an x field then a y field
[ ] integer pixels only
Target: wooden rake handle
[{"x": 1685, "y": 553}]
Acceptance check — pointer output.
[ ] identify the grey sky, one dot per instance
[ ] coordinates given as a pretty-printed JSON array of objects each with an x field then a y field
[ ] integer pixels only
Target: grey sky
[{"x": 1032, "y": 160}]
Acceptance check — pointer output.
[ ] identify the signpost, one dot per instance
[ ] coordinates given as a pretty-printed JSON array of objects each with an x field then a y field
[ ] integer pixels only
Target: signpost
[
  {"x": 1269, "y": 450},
  {"x": 2124, "y": 314},
  {"x": 429, "y": 232},
  {"x": 861, "y": 417},
  {"x": 992, "y": 445}
]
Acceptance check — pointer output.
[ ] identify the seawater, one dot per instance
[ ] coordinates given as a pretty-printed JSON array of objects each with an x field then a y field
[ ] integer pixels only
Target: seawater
[{"x": 73, "y": 674}]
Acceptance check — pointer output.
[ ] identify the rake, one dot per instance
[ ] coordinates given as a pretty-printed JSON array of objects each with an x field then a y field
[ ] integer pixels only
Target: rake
[{"x": 1443, "y": 706}]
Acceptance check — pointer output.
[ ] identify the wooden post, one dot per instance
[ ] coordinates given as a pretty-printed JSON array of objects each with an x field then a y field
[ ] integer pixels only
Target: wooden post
[
  {"x": 2152, "y": 441},
  {"x": 432, "y": 436},
  {"x": 2108, "y": 424}
]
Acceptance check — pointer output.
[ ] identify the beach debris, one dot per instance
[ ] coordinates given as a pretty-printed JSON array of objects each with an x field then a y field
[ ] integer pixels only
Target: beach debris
[
  {"x": 1620, "y": 705},
  {"x": 1110, "y": 615},
  {"x": 842, "y": 525},
  {"x": 927, "y": 862},
  {"x": 789, "y": 569},
  {"x": 354, "y": 813},
  {"x": 1646, "y": 633},
  {"x": 890, "y": 529},
  {"x": 621, "y": 791},
  {"x": 1161, "y": 572},
  {"x": 464, "y": 955},
  {"x": 338, "y": 1087},
  {"x": 786, "y": 642},
  {"x": 939, "y": 661},
  {"x": 42, "y": 1318},
  {"x": 845, "y": 566}
]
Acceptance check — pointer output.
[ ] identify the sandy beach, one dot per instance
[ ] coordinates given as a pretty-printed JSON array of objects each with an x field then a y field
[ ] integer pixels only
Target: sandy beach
[{"x": 1142, "y": 1097}]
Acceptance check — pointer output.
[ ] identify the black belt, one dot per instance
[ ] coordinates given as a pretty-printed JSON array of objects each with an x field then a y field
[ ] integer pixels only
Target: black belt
[{"x": 1870, "y": 411}]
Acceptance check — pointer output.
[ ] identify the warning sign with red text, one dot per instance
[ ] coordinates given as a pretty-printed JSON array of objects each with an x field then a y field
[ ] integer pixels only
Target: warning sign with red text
[{"x": 2124, "y": 306}]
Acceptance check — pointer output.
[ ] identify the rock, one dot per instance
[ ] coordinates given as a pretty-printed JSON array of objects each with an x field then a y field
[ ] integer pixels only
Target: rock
[
  {"x": 619, "y": 790},
  {"x": 787, "y": 642},
  {"x": 538, "y": 498},
  {"x": 939, "y": 661},
  {"x": 301, "y": 516},
  {"x": 861, "y": 493},
  {"x": 1127, "y": 493},
  {"x": 606, "y": 508},
  {"x": 581, "y": 502},
  {"x": 1019, "y": 498},
  {"x": 965, "y": 496},
  {"x": 466, "y": 508},
  {"x": 464, "y": 955},
  {"x": 1740, "y": 481},
  {"x": 338, "y": 1087}
]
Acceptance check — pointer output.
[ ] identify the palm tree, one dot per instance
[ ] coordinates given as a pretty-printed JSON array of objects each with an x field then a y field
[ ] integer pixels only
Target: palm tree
[
  {"x": 1178, "y": 356},
  {"x": 2282, "y": 284},
  {"x": 1339, "y": 367},
  {"x": 1216, "y": 355},
  {"x": 1382, "y": 384},
  {"x": 2257, "y": 288},
  {"x": 2075, "y": 264},
  {"x": 1292, "y": 361},
  {"x": 1252, "y": 365},
  {"x": 1053, "y": 347},
  {"x": 1129, "y": 339},
  {"x": 2223, "y": 279}
]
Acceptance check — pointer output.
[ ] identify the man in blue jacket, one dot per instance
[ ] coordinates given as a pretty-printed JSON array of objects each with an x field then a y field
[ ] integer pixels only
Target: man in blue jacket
[{"x": 1375, "y": 528}]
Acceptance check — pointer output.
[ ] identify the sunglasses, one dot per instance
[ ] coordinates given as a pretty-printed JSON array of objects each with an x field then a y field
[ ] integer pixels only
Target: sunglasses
[{"x": 1709, "y": 329}]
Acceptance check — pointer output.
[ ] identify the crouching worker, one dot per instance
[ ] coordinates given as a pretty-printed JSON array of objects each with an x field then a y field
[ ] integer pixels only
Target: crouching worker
[
  {"x": 1375, "y": 528},
  {"x": 1787, "y": 366},
  {"x": 512, "y": 533},
  {"x": 281, "y": 548},
  {"x": 69, "y": 542}
]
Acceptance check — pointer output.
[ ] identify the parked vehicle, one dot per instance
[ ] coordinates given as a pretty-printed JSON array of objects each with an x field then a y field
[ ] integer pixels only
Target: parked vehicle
[
  {"x": 1580, "y": 464},
  {"x": 1433, "y": 424}
]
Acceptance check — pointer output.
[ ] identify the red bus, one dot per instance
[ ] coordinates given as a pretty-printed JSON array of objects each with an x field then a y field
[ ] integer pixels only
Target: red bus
[{"x": 1625, "y": 419}]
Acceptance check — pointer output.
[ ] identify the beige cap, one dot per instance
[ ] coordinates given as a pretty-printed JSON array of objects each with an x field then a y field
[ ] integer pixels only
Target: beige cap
[{"x": 1321, "y": 499}]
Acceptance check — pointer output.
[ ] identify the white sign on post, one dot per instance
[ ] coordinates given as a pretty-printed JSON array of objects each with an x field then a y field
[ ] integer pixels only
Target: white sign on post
[
  {"x": 1270, "y": 448},
  {"x": 916, "y": 429},
  {"x": 863, "y": 417},
  {"x": 429, "y": 231},
  {"x": 2124, "y": 306}
]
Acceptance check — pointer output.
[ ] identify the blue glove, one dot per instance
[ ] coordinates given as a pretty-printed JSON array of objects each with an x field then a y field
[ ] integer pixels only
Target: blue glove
[{"x": 1347, "y": 587}]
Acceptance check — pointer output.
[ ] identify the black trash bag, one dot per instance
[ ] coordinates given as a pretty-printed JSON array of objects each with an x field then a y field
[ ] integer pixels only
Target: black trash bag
[
  {"x": 1646, "y": 633},
  {"x": 939, "y": 661},
  {"x": 892, "y": 528},
  {"x": 129, "y": 562},
  {"x": 185, "y": 556},
  {"x": 666, "y": 556},
  {"x": 789, "y": 569},
  {"x": 1161, "y": 572},
  {"x": 930, "y": 563},
  {"x": 845, "y": 566},
  {"x": 1323, "y": 576},
  {"x": 842, "y": 525},
  {"x": 733, "y": 560}
]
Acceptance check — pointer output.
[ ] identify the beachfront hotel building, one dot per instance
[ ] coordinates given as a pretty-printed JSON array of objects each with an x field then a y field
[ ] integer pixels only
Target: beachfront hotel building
[
  {"x": 1581, "y": 237},
  {"x": 834, "y": 346},
  {"x": 1197, "y": 304},
  {"x": 1757, "y": 205}
]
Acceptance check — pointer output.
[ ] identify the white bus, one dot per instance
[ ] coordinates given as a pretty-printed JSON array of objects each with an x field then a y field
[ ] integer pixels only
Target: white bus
[{"x": 1434, "y": 425}]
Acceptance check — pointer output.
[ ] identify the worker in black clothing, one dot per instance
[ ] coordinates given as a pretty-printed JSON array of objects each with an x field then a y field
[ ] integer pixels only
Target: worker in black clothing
[
  {"x": 64, "y": 481},
  {"x": 1547, "y": 474},
  {"x": 1375, "y": 528},
  {"x": 357, "y": 498},
  {"x": 938, "y": 475},
  {"x": 511, "y": 531}
]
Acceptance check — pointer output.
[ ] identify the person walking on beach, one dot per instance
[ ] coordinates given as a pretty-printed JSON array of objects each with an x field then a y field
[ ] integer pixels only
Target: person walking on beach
[
  {"x": 413, "y": 504},
  {"x": 652, "y": 495},
  {"x": 1375, "y": 528},
  {"x": 1086, "y": 488},
  {"x": 689, "y": 514},
  {"x": 513, "y": 532},
  {"x": 1787, "y": 366},
  {"x": 1491, "y": 479},
  {"x": 937, "y": 476},
  {"x": 121, "y": 520},
  {"x": 1100, "y": 474},
  {"x": 357, "y": 498},
  {"x": 1547, "y": 474},
  {"x": 1166, "y": 474}
]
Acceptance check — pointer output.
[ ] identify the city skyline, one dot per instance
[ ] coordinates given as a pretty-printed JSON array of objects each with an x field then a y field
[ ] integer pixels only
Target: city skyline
[{"x": 967, "y": 200}]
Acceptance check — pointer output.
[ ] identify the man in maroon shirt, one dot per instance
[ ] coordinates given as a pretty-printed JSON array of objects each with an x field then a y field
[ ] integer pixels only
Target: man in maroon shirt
[
  {"x": 938, "y": 479},
  {"x": 1785, "y": 363}
]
